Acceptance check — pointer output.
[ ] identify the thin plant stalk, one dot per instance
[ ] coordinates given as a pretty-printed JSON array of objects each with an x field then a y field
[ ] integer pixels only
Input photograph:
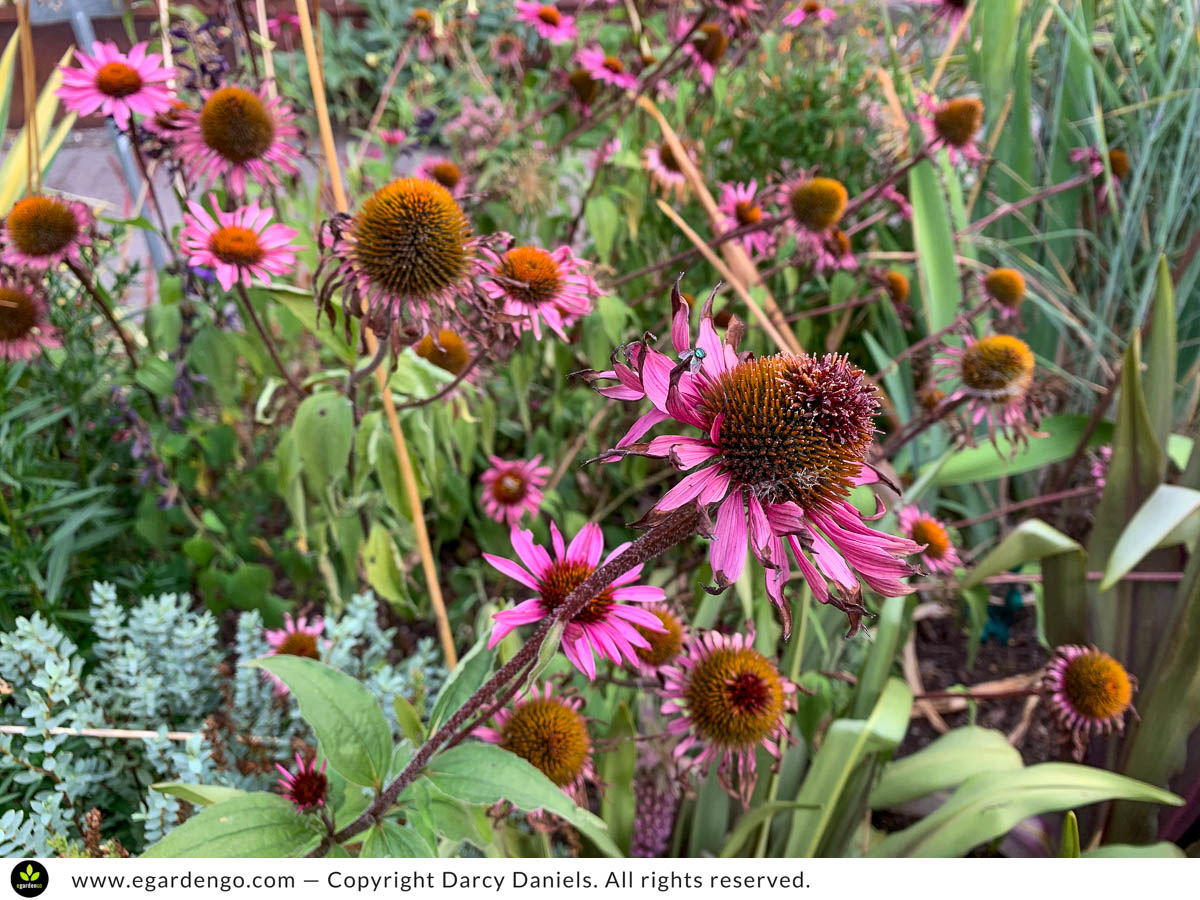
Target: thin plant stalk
[
  {"x": 389, "y": 407},
  {"x": 267, "y": 340}
]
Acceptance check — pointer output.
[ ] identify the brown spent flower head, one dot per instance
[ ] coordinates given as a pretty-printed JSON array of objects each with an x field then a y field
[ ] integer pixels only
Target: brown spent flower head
[
  {"x": 446, "y": 173},
  {"x": 999, "y": 367},
  {"x": 549, "y": 735},
  {"x": 538, "y": 275},
  {"x": 818, "y": 203},
  {"x": 117, "y": 79},
  {"x": 449, "y": 352},
  {"x": 41, "y": 226},
  {"x": 933, "y": 534},
  {"x": 664, "y": 645},
  {"x": 1006, "y": 287},
  {"x": 794, "y": 427},
  {"x": 711, "y": 42},
  {"x": 735, "y": 697},
  {"x": 897, "y": 286},
  {"x": 1118, "y": 161},
  {"x": 237, "y": 125},
  {"x": 411, "y": 238},
  {"x": 584, "y": 86},
  {"x": 957, "y": 121},
  {"x": 18, "y": 314},
  {"x": 747, "y": 213}
]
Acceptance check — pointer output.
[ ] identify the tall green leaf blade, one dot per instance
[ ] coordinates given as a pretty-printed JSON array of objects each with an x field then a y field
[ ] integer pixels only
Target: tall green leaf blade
[
  {"x": 941, "y": 291},
  {"x": 1162, "y": 513},
  {"x": 988, "y": 806},
  {"x": 947, "y": 762},
  {"x": 1162, "y": 354}
]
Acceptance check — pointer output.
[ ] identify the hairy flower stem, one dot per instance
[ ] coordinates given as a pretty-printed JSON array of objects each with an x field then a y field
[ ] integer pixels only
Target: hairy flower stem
[
  {"x": 892, "y": 177},
  {"x": 267, "y": 340},
  {"x": 90, "y": 286},
  {"x": 684, "y": 255},
  {"x": 1007, "y": 208},
  {"x": 675, "y": 527},
  {"x": 1043, "y": 500}
]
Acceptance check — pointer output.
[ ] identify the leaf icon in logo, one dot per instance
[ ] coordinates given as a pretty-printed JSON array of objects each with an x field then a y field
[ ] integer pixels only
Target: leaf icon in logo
[{"x": 30, "y": 874}]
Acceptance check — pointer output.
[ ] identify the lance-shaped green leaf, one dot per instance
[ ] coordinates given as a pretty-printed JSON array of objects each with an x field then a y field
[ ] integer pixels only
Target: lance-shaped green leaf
[
  {"x": 947, "y": 762},
  {"x": 986, "y": 463},
  {"x": 1164, "y": 511},
  {"x": 987, "y": 806},
  {"x": 252, "y": 825},
  {"x": 197, "y": 794},
  {"x": 616, "y": 769},
  {"x": 941, "y": 291},
  {"x": 1030, "y": 541},
  {"x": 1068, "y": 844},
  {"x": 387, "y": 840},
  {"x": 351, "y": 728},
  {"x": 1162, "y": 353},
  {"x": 464, "y": 680}
]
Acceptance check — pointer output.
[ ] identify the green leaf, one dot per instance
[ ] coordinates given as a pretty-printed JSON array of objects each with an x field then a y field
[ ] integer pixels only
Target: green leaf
[
  {"x": 710, "y": 818},
  {"x": 1162, "y": 353},
  {"x": 616, "y": 769},
  {"x": 1164, "y": 511},
  {"x": 602, "y": 220},
  {"x": 464, "y": 680},
  {"x": 323, "y": 429},
  {"x": 300, "y": 304},
  {"x": 941, "y": 290},
  {"x": 198, "y": 794},
  {"x": 253, "y": 825},
  {"x": 847, "y": 743},
  {"x": 1163, "y": 850},
  {"x": 986, "y": 463},
  {"x": 987, "y": 806},
  {"x": 878, "y": 665},
  {"x": 382, "y": 565},
  {"x": 947, "y": 762},
  {"x": 1068, "y": 845},
  {"x": 1032, "y": 540},
  {"x": 389, "y": 840},
  {"x": 156, "y": 375},
  {"x": 409, "y": 719},
  {"x": 354, "y": 735},
  {"x": 484, "y": 773},
  {"x": 753, "y": 820}
]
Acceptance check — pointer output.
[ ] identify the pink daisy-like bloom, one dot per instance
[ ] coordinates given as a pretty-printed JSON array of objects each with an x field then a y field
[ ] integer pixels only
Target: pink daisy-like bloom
[
  {"x": 606, "y": 625},
  {"x": 239, "y": 245},
  {"x": 297, "y": 637},
  {"x": 306, "y": 786},
  {"x": 1089, "y": 690},
  {"x": 705, "y": 49},
  {"x": 534, "y": 284},
  {"x": 25, "y": 329},
  {"x": 555, "y": 26},
  {"x": 993, "y": 375},
  {"x": 239, "y": 134},
  {"x": 727, "y": 699},
  {"x": 666, "y": 645},
  {"x": 506, "y": 50},
  {"x": 43, "y": 231},
  {"x": 740, "y": 206},
  {"x": 834, "y": 253},
  {"x": 952, "y": 125},
  {"x": 810, "y": 9},
  {"x": 939, "y": 554},
  {"x": 1092, "y": 162},
  {"x": 445, "y": 172},
  {"x": 606, "y": 69},
  {"x": 664, "y": 170},
  {"x": 513, "y": 488},
  {"x": 117, "y": 84},
  {"x": 167, "y": 125},
  {"x": 782, "y": 441},
  {"x": 547, "y": 730},
  {"x": 814, "y": 206}
]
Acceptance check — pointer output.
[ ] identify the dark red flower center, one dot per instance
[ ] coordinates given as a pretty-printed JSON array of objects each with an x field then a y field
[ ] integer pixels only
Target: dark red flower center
[
  {"x": 563, "y": 577},
  {"x": 116, "y": 79}
]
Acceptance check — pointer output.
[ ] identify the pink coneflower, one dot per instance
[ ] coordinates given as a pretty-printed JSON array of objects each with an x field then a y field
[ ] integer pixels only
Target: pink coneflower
[
  {"x": 665, "y": 172},
  {"x": 240, "y": 135},
  {"x": 953, "y": 125},
  {"x": 445, "y": 172},
  {"x": 705, "y": 49},
  {"x": 306, "y": 787},
  {"x": 42, "y": 231},
  {"x": 547, "y": 730},
  {"x": 994, "y": 374},
  {"x": 666, "y": 645},
  {"x": 240, "y": 245},
  {"x": 1091, "y": 692},
  {"x": 814, "y": 206},
  {"x": 741, "y": 208},
  {"x": 116, "y": 84},
  {"x": 535, "y": 284},
  {"x": 783, "y": 439},
  {"x": 297, "y": 637},
  {"x": 1092, "y": 162},
  {"x": 1006, "y": 289},
  {"x": 556, "y": 27},
  {"x": 939, "y": 554},
  {"x": 513, "y": 488},
  {"x": 506, "y": 50},
  {"x": 950, "y": 10},
  {"x": 606, "y": 69},
  {"x": 168, "y": 124},
  {"x": 835, "y": 253},
  {"x": 25, "y": 329},
  {"x": 810, "y": 9},
  {"x": 728, "y": 699},
  {"x": 606, "y": 626}
]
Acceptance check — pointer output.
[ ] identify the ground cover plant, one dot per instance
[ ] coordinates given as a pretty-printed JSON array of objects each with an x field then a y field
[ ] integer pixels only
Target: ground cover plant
[{"x": 730, "y": 428}]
